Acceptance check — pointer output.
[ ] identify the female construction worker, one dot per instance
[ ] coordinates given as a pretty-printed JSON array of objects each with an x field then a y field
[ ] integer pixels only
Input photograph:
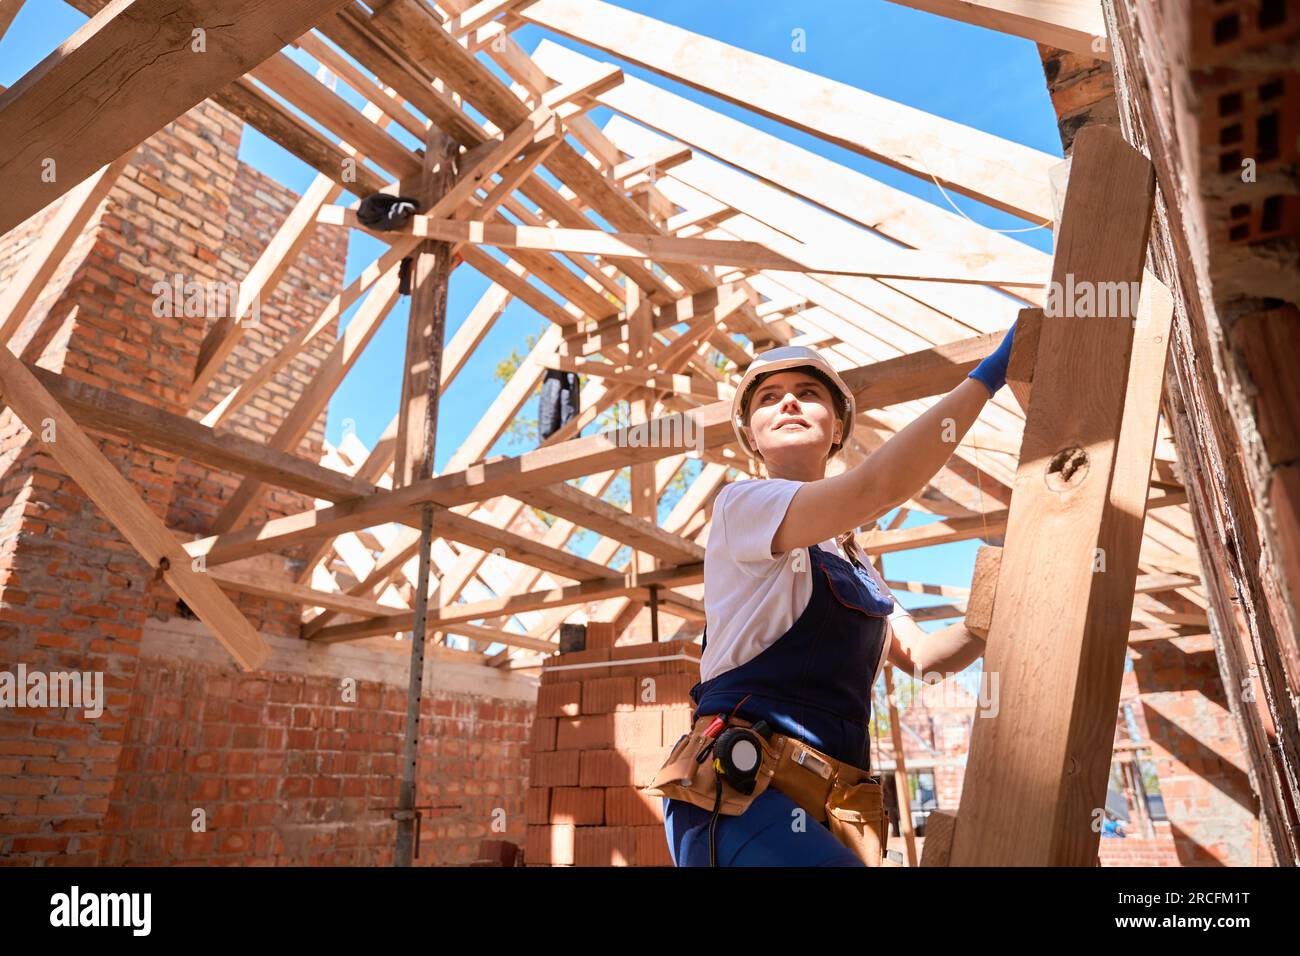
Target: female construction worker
[{"x": 799, "y": 625}]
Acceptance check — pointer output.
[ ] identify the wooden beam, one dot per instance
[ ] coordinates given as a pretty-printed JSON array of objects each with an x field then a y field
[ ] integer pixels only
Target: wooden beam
[
  {"x": 519, "y": 603},
  {"x": 292, "y": 347},
  {"x": 1025, "y": 760},
  {"x": 1074, "y": 25},
  {"x": 930, "y": 372},
  {"x": 381, "y": 96},
  {"x": 125, "y": 74},
  {"x": 115, "y": 414},
  {"x": 587, "y": 511},
  {"x": 264, "y": 113},
  {"x": 283, "y": 76},
  {"x": 45, "y": 255},
  {"x": 431, "y": 271},
  {"x": 79, "y": 456},
  {"x": 315, "y": 397},
  {"x": 802, "y": 173},
  {"x": 1004, "y": 174},
  {"x": 275, "y": 260},
  {"x": 8, "y": 11},
  {"x": 790, "y": 257}
]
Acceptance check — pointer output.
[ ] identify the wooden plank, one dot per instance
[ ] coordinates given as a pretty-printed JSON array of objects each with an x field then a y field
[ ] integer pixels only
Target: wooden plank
[
  {"x": 286, "y": 78},
  {"x": 292, "y": 347},
  {"x": 1024, "y": 352},
  {"x": 275, "y": 260},
  {"x": 1004, "y": 174},
  {"x": 1110, "y": 604},
  {"x": 1024, "y": 760},
  {"x": 81, "y": 458},
  {"x": 983, "y": 591},
  {"x": 45, "y": 255},
  {"x": 315, "y": 397},
  {"x": 277, "y": 589},
  {"x": 879, "y": 263},
  {"x": 124, "y": 75},
  {"x": 520, "y": 603},
  {"x": 380, "y": 96},
  {"x": 425, "y": 331},
  {"x": 115, "y": 414},
  {"x": 264, "y": 113},
  {"x": 1074, "y": 25},
  {"x": 930, "y": 372},
  {"x": 800, "y": 172},
  {"x": 940, "y": 826}
]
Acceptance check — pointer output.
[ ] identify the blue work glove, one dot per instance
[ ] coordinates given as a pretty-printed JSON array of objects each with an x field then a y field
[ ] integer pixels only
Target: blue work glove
[{"x": 992, "y": 372}]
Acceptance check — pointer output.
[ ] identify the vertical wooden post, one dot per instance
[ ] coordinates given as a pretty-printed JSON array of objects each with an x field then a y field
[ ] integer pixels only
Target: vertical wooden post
[
  {"x": 901, "y": 788},
  {"x": 645, "y": 502},
  {"x": 417, "y": 429},
  {"x": 1029, "y": 795}
]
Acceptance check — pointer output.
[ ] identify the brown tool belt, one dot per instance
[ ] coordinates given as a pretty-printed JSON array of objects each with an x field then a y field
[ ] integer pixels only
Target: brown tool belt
[{"x": 848, "y": 799}]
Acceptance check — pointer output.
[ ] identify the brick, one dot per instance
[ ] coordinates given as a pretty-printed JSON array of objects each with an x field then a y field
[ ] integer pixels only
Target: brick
[
  {"x": 608, "y": 694},
  {"x": 604, "y": 768},
  {"x": 600, "y": 634},
  {"x": 542, "y": 735},
  {"x": 619, "y": 731},
  {"x": 580, "y": 806},
  {"x": 537, "y": 805},
  {"x": 666, "y": 690},
  {"x": 676, "y": 722},
  {"x": 628, "y": 806},
  {"x": 559, "y": 700},
  {"x": 559, "y": 768},
  {"x": 591, "y": 655},
  {"x": 652, "y": 847},
  {"x": 604, "y": 846},
  {"x": 550, "y": 845}
]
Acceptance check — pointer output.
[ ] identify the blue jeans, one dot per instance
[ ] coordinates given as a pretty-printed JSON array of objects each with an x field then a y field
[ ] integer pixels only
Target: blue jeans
[{"x": 764, "y": 835}]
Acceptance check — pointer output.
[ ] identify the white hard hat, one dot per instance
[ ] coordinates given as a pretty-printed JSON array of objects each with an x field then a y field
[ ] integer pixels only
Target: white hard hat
[{"x": 778, "y": 360}]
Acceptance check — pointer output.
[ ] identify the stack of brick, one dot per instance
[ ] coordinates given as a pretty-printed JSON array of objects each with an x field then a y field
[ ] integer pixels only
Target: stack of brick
[{"x": 606, "y": 718}]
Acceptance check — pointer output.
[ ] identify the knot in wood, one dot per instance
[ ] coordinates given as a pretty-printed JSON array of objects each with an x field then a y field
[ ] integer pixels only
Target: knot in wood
[{"x": 1067, "y": 469}]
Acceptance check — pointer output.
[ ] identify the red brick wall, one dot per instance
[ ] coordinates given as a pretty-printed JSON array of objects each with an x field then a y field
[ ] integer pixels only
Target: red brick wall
[
  {"x": 288, "y": 773},
  {"x": 1160, "y": 850},
  {"x": 298, "y": 777},
  {"x": 595, "y": 741}
]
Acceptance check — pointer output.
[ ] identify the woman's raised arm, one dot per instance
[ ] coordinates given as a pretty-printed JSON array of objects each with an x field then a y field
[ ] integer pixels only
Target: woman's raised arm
[{"x": 896, "y": 470}]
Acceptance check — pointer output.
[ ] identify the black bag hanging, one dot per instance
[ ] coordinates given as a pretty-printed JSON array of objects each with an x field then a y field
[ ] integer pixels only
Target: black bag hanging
[
  {"x": 558, "y": 401},
  {"x": 384, "y": 213}
]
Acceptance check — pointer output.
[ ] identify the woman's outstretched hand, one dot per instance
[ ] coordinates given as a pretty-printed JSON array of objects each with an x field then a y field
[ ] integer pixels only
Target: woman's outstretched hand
[{"x": 992, "y": 372}]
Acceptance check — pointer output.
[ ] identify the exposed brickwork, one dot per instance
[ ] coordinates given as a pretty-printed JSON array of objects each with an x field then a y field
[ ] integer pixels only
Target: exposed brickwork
[
  {"x": 286, "y": 771},
  {"x": 1182, "y": 696},
  {"x": 1216, "y": 113},
  {"x": 600, "y": 733}
]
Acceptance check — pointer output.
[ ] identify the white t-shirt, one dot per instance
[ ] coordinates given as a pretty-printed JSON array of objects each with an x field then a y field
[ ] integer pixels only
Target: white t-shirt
[{"x": 750, "y": 597}]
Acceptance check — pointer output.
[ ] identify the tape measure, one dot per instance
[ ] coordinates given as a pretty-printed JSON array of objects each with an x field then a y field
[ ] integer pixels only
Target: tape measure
[{"x": 738, "y": 754}]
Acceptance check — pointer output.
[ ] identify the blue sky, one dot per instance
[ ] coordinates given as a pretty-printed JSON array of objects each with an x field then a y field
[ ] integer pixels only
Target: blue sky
[{"x": 974, "y": 76}]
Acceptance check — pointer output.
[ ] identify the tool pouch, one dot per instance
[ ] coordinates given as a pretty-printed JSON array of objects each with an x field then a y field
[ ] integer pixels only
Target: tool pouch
[
  {"x": 855, "y": 814},
  {"x": 682, "y": 777}
]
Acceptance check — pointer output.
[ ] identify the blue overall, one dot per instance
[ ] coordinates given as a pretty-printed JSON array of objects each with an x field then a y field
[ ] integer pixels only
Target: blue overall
[{"x": 814, "y": 683}]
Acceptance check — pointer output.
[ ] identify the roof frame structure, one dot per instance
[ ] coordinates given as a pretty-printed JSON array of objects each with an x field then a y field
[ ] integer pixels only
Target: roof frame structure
[{"x": 664, "y": 250}]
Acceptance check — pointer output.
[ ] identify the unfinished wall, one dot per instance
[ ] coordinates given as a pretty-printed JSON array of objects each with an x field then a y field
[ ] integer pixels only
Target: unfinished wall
[
  {"x": 285, "y": 767},
  {"x": 601, "y": 732},
  {"x": 285, "y": 770},
  {"x": 1212, "y": 92},
  {"x": 1206, "y": 747}
]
